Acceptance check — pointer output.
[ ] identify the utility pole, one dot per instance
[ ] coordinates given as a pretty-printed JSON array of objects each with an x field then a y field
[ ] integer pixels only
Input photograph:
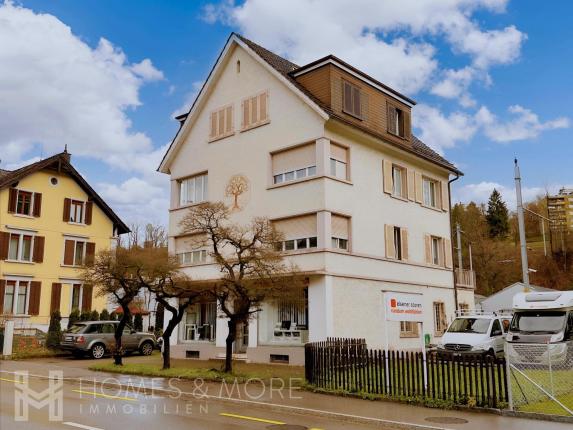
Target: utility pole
[
  {"x": 459, "y": 242},
  {"x": 523, "y": 243}
]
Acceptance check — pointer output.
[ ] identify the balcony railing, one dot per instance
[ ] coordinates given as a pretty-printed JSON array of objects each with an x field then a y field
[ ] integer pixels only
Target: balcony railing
[{"x": 465, "y": 278}]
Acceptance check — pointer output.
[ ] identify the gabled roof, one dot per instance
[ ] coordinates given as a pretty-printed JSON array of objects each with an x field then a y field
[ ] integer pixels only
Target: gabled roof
[
  {"x": 61, "y": 163},
  {"x": 287, "y": 69}
]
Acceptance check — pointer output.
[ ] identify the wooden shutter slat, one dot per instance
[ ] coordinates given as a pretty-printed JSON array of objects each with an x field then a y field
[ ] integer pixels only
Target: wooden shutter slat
[
  {"x": 67, "y": 208},
  {"x": 387, "y": 171},
  {"x": 419, "y": 190},
  {"x": 407, "y": 125},
  {"x": 89, "y": 212},
  {"x": 391, "y": 119},
  {"x": 69, "y": 252},
  {"x": 245, "y": 114},
  {"x": 254, "y": 110},
  {"x": 4, "y": 245},
  {"x": 404, "y": 240},
  {"x": 90, "y": 252},
  {"x": 38, "y": 253},
  {"x": 389, "y": 239},
  {"x": 263, "y": 112},
  {"x": 220, "y": 122},
  {"x": 448, "y": 253},
  {"x": 428, "y": 248},
  {"x": 56, "y": 297},
  {"x": 442, "y": 253},
  {"x": 37, "y": 205},
  {"x": 213, "y": 132},
  {"x": 34, "y": 299},
  {"x": 229, "y": 119},
  {"x": 444, "y": 197},
  {"x": 356, "y": 104},
  {"x": 12, "y": 198},
  {"x": 347, "y": 96},
  {"x": 87, "y": 298},
  {"x": 410, "y": 184},
  {"x": 2, "y": 291}
]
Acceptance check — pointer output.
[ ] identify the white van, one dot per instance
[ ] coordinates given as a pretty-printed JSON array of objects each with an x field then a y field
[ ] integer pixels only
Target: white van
[{"x": 475, "y": 332}]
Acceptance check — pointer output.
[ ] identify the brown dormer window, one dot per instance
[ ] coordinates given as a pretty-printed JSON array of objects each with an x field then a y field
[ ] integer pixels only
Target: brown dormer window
[
  {"x": 396, "y": 121},
  {"x": 351, "y": 99}
]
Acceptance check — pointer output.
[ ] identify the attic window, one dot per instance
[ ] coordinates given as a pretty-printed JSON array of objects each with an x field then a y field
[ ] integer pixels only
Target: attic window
[
  {"x": 396, "y": 118},
  {"x": 351, "y": 99},
  {"x": 238, "y": 66}
]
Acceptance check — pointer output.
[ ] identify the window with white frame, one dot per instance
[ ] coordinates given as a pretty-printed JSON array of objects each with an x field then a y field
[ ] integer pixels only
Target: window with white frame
[
  {"x": 193, "y": 190},
  {"x": 409, "y": 329},
  {"x": 20, "y": 247},
  {"x": 430, "y": 188},
  {"x": 436, "y": 250},
  {"x": 294, "y": 174},
  {"x": 296, "y": 244},
  {"x": 198, "y": 256},
  {"x": 340, "y": 231},
  {"x": 24, "y": 202},
  {"x": 338, "y": 161},
  {"x": 294, "y": 163},
  {"x": 77, "y": 211},
  {"x": 399, "y": 182},
  {"x": 76, "y": 296},
  {"x": 339, "y": 243},
  {"x": 15, "y": 297}
]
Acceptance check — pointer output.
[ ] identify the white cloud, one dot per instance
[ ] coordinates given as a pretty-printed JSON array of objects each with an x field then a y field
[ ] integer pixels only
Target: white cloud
[
  {"x": 389, "y": 39},
  {"x": 524, "y": 124},
  {"x": 56, "y": 90},
  {"x": 455, "y": 85},
  {"x": 440, "y": 131},
  {"x": 189, "y": 99},
  {"x": 480, "y": 192}
]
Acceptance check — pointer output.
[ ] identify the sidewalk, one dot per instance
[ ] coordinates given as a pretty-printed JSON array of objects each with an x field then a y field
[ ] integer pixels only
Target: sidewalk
[{"x": 304, "y": 402}]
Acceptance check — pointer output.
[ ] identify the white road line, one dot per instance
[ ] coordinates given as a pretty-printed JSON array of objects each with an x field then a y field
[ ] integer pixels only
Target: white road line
[{"x": 80, "y": 426}]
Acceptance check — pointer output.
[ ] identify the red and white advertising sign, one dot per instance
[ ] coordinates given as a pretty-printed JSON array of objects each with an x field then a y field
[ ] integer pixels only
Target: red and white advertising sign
[{"x": 404, "y": 307}]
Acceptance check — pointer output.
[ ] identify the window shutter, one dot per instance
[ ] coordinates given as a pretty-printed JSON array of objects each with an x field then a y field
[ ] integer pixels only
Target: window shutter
[
  {"x": 34, "y": 300},
  {"x": 246, "y": 117},
  {"x": 293, "y": 159},
  {"x": 387, "y": 172},
  {"x": 428, "y": 248},
  {"x": 448, "y": 252},
  {"x": 254, "y": 110},
  {"x": 38, "y": 255},
  {"x": 347, "y": 96},
  {"x": 389, "y": 238},
  {"x": 407, "y": 125},
  {"x": 12, "y": 198},
  {"x": 69, "y": 252},
  {"x": 87, "y": 298},
  {"x": 220, "y": 122},
  {"x": 4, "y": 244},
  {"x": 410, "y": 184},
  {"x": 229, "y": 119},
  {"x": 419, "y": 190},
  {"x": 67, "y": 208},
  {"x": 392, "y": 119},
  {"x": 56, "y": 297},
  {"x": 89, "y": 212},
  {"x": 356, "y": 106},
  {"x": 445, "y": 196},
  {"x": 404, "y": 239},
  {"x": 263, "y": 116},
  {"x": 298, "y": 227},
  {"x": 90, "y": 252},
  {"x": 339, "y": 226},
  {"x": 37, "y": 204},
  {"x": 442, "y": 253},
  {"x": 2, "y": 291},
  {"x": 213, "y": 128}
]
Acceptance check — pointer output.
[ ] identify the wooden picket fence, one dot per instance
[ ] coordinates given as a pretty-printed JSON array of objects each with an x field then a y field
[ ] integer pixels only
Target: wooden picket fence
[{"x": 348, "y": 365}]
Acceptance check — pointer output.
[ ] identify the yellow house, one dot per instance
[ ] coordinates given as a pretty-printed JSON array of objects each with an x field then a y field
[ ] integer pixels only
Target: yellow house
[{"x": 51, "y": 222}]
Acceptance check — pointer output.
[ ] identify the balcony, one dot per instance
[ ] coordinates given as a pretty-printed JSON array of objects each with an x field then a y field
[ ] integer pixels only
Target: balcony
[{"x": 465, "y": 278}]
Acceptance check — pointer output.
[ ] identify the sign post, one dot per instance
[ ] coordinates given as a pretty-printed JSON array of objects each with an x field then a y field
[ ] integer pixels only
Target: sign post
[{"x": 405, "y": 307}]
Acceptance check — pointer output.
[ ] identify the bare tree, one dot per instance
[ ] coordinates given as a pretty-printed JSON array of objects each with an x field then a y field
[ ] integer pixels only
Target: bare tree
[
  {"x": 155, "y": 236},
  {"x": 252, "y": 270}
]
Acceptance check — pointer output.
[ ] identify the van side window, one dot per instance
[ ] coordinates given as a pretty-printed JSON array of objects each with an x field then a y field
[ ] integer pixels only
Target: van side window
[{"x": 496, "y": 328}]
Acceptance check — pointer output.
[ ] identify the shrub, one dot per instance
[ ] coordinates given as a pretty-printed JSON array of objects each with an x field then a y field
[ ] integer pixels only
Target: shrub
[
  {"x": 138, "y": 322},
  {"x": 113, "y": 316},
  {"x": 104, "y": 315},
  {"x": 85, "y": 316},
  {"x": 74, "y": 317},
  {"x": 54, "y": 330},
  {"x": 94, "y": 316}
]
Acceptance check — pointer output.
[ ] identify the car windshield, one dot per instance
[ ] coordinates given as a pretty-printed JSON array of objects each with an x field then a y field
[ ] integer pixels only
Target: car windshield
[
  {"x": 76, "y": 328},
  {"x": 469, "y": 325},
  {"x": 538, "y": 322}
]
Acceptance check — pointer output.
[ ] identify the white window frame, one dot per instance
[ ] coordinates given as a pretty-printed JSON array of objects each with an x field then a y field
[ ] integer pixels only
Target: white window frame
[
  {"x": 337, "y": 241},
  {"x": 80, "y": 297},
  {"x": 430, "y": 192},
  {"x": 32, "y": 198},
  {"x": 20, "y": 250},
  {"x": 82, "y": 204},
  {"x": 399, "y": 176},
  {"x": 184, "y": 189},
  {"x": 15, "y": 296},
  {"x": 439, "y": 330},
  {"x": 436, "y": 243},
  {"x": 75, "y": 240},
  {"x": 338, "y": 169},
  {"x": 202, "y": 257},
  {"x": 409, "y": 329},
  {"x": 281, "y": 178},
  {"x": 283, "y": 244}
]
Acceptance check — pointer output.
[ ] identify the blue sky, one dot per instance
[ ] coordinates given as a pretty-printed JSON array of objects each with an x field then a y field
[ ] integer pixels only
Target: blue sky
[{"x": 493, "y": 81}]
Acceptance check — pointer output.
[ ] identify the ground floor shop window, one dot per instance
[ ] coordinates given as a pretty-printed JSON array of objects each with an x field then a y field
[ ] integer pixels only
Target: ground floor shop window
[
  {"x": 200, "y": 322},
  {"x": 409, "y": 329}
]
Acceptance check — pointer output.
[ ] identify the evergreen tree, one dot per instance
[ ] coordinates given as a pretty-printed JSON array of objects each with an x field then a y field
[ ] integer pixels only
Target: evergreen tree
[
  {"x": 74, "y": 317},
  {"x": 104, "y": 316},
  {"x": 54, "y": 330},
  {"x": 138, "y": 322},
  {"x": 94, "y": 316},
  {"x": 497, "y": 216},
  {"x": 85, "y": 315}
]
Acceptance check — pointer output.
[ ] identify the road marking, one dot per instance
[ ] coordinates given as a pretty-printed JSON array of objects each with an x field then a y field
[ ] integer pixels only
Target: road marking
[
  {"x": 107, "y": 396},
  {"x": 260, "y": 420},
  {"x": 80, "y": 426},
  {"x": 11, "y": 380}
]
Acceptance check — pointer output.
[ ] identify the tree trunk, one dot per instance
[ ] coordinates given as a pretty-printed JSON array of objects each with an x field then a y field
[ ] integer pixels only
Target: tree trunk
[
  {"x": 118, "y": 353},
  {"x": 166, "y": 352},
  {"x": 232, "y": 324},
  {"x": 173, "y": 322}
]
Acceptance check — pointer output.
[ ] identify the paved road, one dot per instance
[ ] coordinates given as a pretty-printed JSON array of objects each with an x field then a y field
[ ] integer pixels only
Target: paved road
[{"x": 93, "y": 408}]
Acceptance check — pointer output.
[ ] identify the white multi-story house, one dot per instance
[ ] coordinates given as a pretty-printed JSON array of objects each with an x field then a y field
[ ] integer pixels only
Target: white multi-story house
[{"x": 327, "y": 153}]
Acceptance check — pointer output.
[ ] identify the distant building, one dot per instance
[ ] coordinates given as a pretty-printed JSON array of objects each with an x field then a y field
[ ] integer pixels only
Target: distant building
[
  {"x": 560, "y": 209},
  {"x": 502, "y": 301}
]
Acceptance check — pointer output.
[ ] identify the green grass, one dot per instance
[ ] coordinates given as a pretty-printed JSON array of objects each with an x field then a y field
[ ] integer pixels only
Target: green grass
[{"x": 529, "y": 398}]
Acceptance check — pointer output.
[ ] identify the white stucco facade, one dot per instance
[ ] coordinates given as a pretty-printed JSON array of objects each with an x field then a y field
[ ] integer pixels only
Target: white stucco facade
[{"x": 345, "y": 287}]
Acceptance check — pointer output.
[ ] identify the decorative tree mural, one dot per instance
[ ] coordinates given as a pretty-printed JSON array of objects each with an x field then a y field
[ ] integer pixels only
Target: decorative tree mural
[{"x": 236, "y": 186}]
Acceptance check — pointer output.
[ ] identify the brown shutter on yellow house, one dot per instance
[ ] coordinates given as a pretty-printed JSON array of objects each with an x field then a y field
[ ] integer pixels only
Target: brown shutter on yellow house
[
  {"x": 67, "y": 208},
  {"x": 389, "y": 239},
  {"x": 90, "y": 252},
  {"x": 12, "y": 198},
  {"x": 87, "y": 298},
  {"x": 4, "y": 245},
  {"x": 404, "y": 243},
  {"x": 89, "y": 212},
  {"x": 34, "y": 299},
  {"x": 428, "y": 248},
  {"x": 387, "y": 172},
  {"x": 445, "y": 196},
  {"x": 38, "y": 254},
  {"x": 2, "y": 291},
  {"x": 411, "y": 179},
  {"x": 69, "y": 252},
  {"x": 419, "y": 189},
  {"x": 56, "y": 297},
  {"x": 37, "y": 204},
  {"x": 448, "y": 252}
]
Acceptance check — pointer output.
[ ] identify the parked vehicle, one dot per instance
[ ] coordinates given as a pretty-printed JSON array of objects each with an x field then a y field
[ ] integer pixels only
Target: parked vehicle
[
  {"x": 544, "y": 319},
  {"x": 475, "y": 332},
  {"x": 96, "y": 338}
]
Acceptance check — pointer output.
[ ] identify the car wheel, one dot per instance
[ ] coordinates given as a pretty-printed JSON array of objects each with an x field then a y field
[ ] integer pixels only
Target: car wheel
[
  {"x": 97, "y": 351},
  {"x": 146, "y": 348}
]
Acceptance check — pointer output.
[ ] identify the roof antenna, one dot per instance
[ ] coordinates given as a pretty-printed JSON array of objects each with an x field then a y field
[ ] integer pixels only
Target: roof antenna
[{"x": 66, "y": 148}]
